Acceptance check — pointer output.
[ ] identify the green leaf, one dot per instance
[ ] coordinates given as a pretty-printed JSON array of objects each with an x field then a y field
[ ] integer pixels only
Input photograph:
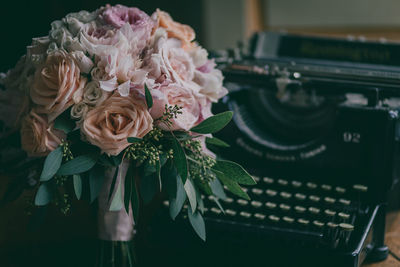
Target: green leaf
[
  {"x": 117, "y": 202},
  {"x": 44, "y": 195},
  {"x": 64, "y": 123},
  {"x": 176, "y": 202},
  {"x": 180, "y": 159},
  {"x": 77, "y": 185},
  {"x": 213, "y": 124},
  {"x": 216, "y": 142},
  {"x": 51, "y": 164},
  {"x": 134, "y": 139},
  {"x": 219, "y": 204},
  {"x": 232, "y": 186},
  {"x": 128, "y": 187},
  {"x": 78, "y": 165},
  {"x": 96, "y": 179},
  {"x": 197, "y": 222},
  {"x": 234, "y": 171},
  {"x": 149, "y": 98},
  {"x": 191, "y": 194},
  {"x": 217, "y": 189}
]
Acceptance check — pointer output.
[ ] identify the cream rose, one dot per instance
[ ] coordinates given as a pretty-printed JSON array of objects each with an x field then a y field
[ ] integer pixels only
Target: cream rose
[
  {"x": 93, "y": 95},
  {"x": 38, "y": 138},
  {"x": 57, "y": 85},
  {"x": 109, "y": 125},
  {"x": 78, "y": 111}
]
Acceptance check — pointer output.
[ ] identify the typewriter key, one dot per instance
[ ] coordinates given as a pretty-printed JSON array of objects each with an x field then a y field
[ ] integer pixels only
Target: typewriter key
[
  {"x": 274, "y": 218},
  {"x": 284, "y": 207},
  {"x": 211, "y": 198},
  {"x": 326, "y": 187},
  {"x": 282, "y": 182},
  {"x": 314, "y": 210},
  {"x": 245, "y": 214},
  {"x": 346, "y": 230},
  {"x": 288, "y": 219},
  {"x": 345, "y": 202},
  {"x": 228, "y": 200},
  {"x": 166, "y": 203},
  {"x": 268, "y": 180},
  {"x": 330, "y": 214},
  {"x": 259, "y": 216},
  {"x": 346, "y": 226},
  {"x": 331, "y": 234},
  {"x": 360, "y": 188},
  {"x": 296, "y": 184},
  {"x": 329, "y": 200},
  {"x": 314, "y": 198},
  {"x": 215, "y": 210},
  {"x": 245, "y": 189},
  {"x": 300, "y": 196},
  {"x": 230, "y": 212},
  {"x": 340, "y": 190},
  {"x": 318, "y": 224},
  {"x": 285, "y": 195},
  {"x": 256, "y": 178},
  {"x": 344, "y": 216},
  {"x": 303, "y": 221},
  {"x": 271, "y": 193},
  {"x": 299, "y": 209},
  {"x": 256, "y": 204},
  {"x": 242, "y": 202},
  {"x": 256, "y": 191},
  {"x": 270, "y": 205},
  {"x": 311, "y": 185}
]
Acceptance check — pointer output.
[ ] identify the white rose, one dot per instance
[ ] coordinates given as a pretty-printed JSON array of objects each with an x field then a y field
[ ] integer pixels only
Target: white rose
[
  {"x": 199, "y": 56},
  {"x": 83, "y": 16},
  {"x": 78, "y": 111},
  {"x": 93, "y": 95}
]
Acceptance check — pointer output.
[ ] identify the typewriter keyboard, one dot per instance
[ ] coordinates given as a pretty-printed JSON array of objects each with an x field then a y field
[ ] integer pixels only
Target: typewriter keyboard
[{"x": 326, "y": 213}]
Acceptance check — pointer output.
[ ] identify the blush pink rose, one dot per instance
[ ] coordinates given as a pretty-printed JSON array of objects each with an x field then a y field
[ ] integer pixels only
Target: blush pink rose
[
  {"x": 57, "y": 85},
  {"x": 174, "y": 94},
  {"x": 109, "y": 125},
  {"x": 38, "y": 138}
]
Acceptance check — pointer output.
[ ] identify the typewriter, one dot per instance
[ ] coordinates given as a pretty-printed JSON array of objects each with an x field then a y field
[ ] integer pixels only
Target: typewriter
[{"x": 316, "y": 123}]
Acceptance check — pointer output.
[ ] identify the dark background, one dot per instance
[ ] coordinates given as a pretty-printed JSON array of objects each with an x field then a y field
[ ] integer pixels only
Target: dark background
[{"x": 22, "y": 20}]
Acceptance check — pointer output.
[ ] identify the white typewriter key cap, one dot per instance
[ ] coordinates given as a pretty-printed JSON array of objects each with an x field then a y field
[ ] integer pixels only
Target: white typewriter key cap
[
  {"x": 346, "y": 227},
  {"x": 166, "y": 203},
  {"x": 284, "y": 207},
  {"x": 270, "y": 205},
  {"x": 311, "y": 185},
  {"x": 299, "y": 209},
  {"x": 257, "y": 191},
  {"x": 242, "y": 202},
  {"x": 268, "y": 180},
  {"x": 331, "y": 225},
  {"x": 329, "y": 200},
  {"x": 271, "y": 192},
  {"x": 282, "y": 182},
  {"x": 245, "y": 189},
  {"x": 330, "y": 213},
  {"x": 211, "y": 198},
  {"x": 205, "y": 209},
  {"x": 314, "y": 198},
  {"x": 340, "y": 190},
  {"x": 274, "y": 218},
  {"x": 228, "y": 200},
  {"x": 326, "y": 187},
  {"x": 303, "y": 221},
  {"x": 296, "y": 184},
  {"x": 314, "y": 210},
  {"x": 285, "y": 195},
  {"x": 245, "y": 214},
  {"x": 256, "y": 204},
  {"x": 345, "y": 202},
  {"x": 215, "y": 210},
  {"x": 256, "y": 178},
  {"x": 300, "y": 196},
  {"x": 230, "y": 212},
  {"x": 287, "y": 219},
  {"x": 343, "y": 216},
  {"x": 259, "y": 216},
  {"x": 185, "y": 206},
  {"x": 318, "y": 224},
  {"x": 360, "y": 187}
]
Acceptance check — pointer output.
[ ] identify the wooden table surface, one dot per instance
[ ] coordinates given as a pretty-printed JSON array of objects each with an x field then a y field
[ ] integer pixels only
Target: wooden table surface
[{"x": 392, "y": 239}]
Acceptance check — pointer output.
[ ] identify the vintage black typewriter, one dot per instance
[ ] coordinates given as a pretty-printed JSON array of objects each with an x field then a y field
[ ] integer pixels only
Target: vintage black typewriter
[{"x": 316, "y": 122}]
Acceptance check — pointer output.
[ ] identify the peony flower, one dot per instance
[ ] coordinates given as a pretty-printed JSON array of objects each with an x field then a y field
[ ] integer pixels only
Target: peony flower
[
  {"x": 38, "y": 138},
  {"x": 176, "y": 30},
  {"x": 93, "y": 95},
  {"x": 57, "y": 85},
  {"x": 109, "y": 125},
  {"x": 174, "y": 94},
  {"x": 211, "y": 84}
]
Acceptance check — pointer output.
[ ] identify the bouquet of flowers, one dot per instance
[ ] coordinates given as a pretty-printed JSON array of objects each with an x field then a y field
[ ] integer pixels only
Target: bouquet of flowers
[{"x": 119, "y": 102}]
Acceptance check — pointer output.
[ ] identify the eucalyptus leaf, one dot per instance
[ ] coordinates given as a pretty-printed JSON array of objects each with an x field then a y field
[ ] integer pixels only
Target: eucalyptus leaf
[
  {"x": 134, "y": 139},
  {"x": 217, "y": 189},
  {"x": 213, "y": 124},
  {"x": 149, "y": 98},
  {"x": 44, "y": 195},
  {"x": 96, "y": 179},
  {"x": 176, "y": 202},
  {"x": 191, "y": 194},
  {"x": 79, "y": 164},
  {"x": 117, "y": 202},
  {"x": 77, "y": 180},
  {"x": 51, "y": 164},
  {"x": 216, "y": 142},
  {"x": 197, "y": 222},
  {"x": 234, "y": 171},
  {"x": 232, "y": 186},
  {"x": 219, "y": 204},
  {"x": 180, "y": 160}
]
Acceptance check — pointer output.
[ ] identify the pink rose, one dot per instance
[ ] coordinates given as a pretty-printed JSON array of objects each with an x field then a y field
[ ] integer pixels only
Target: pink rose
[
  {"x": 174, "y": 94},
  {"x": 109, "y": 125},
  {"x": 57, "y": 85},
  {"x": 38, "y": 138}
]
